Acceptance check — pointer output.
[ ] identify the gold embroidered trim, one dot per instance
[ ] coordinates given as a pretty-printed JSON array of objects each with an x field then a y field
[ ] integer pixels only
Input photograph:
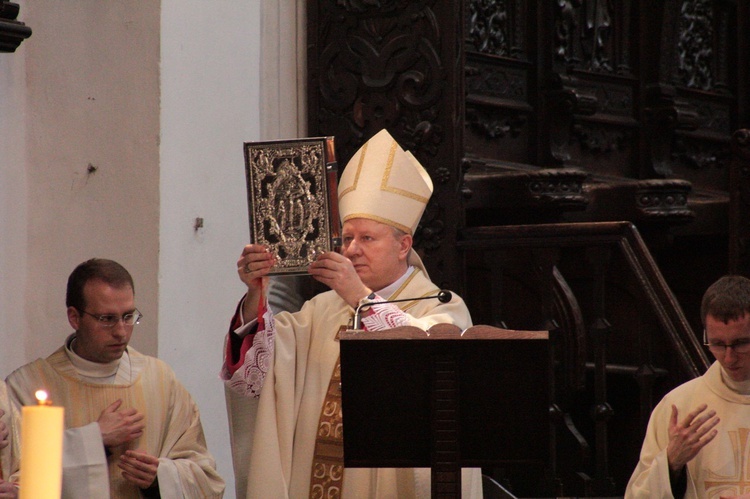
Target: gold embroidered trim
[
  {"x": 327, "y": 475},
  {"x": 407, "y": 305},
  {"x": 385, "y": 181},
  {"x": 388, "y": 166},
  {"x": 382, "y": 220},
  {"x": 403, "y": 286},
  {"x": 356, "y": 175}
]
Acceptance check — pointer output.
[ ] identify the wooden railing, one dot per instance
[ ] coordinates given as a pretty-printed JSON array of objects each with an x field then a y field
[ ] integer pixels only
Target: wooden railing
[{"x": 656, "y": 347}]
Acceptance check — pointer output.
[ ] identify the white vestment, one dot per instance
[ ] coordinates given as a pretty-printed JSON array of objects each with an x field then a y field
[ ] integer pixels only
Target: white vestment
[
  {"x": 281, "y": 443},
  {"x": 722, "y": 467},
  {"x": 10, "y": 454},
  {"x": 173, "y": 431}
]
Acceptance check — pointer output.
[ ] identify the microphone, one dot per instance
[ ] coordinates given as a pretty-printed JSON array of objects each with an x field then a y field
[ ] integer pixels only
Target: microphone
[{"x": 443, "y": 296}]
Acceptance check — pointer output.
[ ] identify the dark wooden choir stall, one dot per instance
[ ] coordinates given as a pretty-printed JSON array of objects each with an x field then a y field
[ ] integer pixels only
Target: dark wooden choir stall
[{"x": 590, "y": 161}]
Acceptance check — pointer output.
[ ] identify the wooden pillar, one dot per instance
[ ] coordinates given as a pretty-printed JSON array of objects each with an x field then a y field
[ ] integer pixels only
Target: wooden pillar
[{"x": 599, "y": 330}]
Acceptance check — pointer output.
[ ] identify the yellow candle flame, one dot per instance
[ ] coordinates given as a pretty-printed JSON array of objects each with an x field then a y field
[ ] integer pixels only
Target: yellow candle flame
[{"x": 41, "y": 397}]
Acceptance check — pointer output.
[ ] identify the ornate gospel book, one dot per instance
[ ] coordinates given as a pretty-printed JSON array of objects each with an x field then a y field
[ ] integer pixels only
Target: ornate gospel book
[{"x": 292, "y": 200}]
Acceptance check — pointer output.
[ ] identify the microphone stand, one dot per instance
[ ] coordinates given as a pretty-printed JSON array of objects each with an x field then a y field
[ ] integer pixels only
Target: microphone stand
[{"x": 443, "y": 296}]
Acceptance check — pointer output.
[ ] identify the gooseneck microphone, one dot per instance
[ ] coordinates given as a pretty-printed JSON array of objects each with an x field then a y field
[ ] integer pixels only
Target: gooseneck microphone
[{"x": 443, "y": 296}]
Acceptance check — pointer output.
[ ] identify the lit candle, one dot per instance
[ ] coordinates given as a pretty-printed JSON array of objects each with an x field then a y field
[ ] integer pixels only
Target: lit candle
[{"x": 42, "y": 429}]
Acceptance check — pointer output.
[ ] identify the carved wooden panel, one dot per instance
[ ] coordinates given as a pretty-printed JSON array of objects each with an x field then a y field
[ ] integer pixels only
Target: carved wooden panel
[
  {"x": 593, "y": 62},
  {"x": 500, "y": 81},
  {"x": 498, "y": 112},
  {"x": 593, "y": 35},
  {"x": 395, "y": 64},
  {"x": 529, "y": 113},
  {"x": 623, "y": 91},
  {"x": 498, "y": 28},
  {"x": 696, "y": 73}
]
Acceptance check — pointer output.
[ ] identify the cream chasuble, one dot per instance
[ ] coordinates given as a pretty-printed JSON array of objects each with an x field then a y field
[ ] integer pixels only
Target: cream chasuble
[
  {"x": 721, "y": 468},
  {"x": 9, "y": 455},
  {"x": 281, "y": 443},
  {"x": 173, "y": 430}
]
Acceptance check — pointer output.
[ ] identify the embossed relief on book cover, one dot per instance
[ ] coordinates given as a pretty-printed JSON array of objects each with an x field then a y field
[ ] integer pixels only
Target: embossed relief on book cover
[{"x": 292, "y": 200}]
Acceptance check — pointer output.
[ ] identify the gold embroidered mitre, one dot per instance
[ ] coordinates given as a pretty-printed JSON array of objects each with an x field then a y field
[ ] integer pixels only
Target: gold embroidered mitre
[{"x": 382, "y": 182}]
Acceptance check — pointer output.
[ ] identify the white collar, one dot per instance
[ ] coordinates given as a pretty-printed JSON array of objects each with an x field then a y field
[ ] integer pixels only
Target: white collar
[
  {"x": 741, "y": 387},
  {"x": 387, "y": 291},
  {"x": 87, "y": 368}
]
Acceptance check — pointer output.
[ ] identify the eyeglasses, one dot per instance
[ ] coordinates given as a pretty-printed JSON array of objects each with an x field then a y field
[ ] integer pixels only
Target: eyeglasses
[
  {"x": 740, "y": 346},
  {"x": 111, "y": 320}
]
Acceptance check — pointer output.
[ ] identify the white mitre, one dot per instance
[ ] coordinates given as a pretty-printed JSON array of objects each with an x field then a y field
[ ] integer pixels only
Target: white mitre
[{"x": 382, "y": 182}]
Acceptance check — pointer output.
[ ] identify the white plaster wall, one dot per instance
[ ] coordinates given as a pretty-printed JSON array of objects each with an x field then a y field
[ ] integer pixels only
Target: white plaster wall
[
  {"x": 92, "y": 157},
  {"x": 158, "y": 96},
  {"x": 209, "y": 106},
  {"x": 13, "y": 213}
]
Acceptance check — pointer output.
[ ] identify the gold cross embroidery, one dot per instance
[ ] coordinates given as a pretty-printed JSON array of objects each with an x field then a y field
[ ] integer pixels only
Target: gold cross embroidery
[{"x": 739, "y": 482}]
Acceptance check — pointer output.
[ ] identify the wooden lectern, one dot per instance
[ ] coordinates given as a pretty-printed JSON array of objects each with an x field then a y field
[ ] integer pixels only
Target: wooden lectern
[{"x": 445, "y": 400}]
